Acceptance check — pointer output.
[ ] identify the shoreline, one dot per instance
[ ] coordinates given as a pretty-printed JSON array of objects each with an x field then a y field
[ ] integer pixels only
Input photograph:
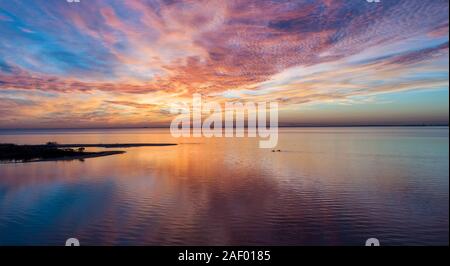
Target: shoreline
[
  {"x": 66, "y": 158},
  {"x": 114, "y": 145},
  {"x": 52, "y": 151}
]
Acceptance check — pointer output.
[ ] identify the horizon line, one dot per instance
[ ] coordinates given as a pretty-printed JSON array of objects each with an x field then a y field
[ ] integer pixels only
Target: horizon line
[{"x": 283, "y": 126}]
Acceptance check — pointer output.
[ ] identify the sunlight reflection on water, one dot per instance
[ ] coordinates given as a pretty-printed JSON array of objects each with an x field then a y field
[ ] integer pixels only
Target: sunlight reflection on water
[{"x": 328, "y": 186}]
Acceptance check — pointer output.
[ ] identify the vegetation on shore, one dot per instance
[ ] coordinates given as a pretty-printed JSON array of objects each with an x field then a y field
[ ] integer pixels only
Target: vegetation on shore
[
  {"x": 49, "y": 151},
  {"x": 54, "y": 151}
]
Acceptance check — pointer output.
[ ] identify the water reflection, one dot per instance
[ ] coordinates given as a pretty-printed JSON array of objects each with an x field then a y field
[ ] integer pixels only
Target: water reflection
[{"x": 327, "y": 187}]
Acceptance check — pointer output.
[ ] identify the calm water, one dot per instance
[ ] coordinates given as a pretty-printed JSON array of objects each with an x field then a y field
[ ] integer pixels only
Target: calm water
[{"x": 328, "y": 186}]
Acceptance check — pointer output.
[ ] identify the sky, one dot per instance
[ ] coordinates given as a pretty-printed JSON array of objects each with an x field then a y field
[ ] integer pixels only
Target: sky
[{"x": 116, "y": 63}]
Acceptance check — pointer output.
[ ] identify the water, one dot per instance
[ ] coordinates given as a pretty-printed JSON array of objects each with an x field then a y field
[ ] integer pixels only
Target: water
[{"x": 328, "y": 186}]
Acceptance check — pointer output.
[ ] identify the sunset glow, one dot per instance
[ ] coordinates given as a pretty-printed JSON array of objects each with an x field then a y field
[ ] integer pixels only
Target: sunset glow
[{"x": 122, "y": 63}]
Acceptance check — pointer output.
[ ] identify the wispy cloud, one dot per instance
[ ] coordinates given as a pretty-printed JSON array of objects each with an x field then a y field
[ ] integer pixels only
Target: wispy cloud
[{"x": 106, "y": 54}]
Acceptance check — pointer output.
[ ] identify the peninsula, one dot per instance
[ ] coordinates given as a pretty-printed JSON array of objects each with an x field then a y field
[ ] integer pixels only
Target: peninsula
[{"x": 53, "y": 151}]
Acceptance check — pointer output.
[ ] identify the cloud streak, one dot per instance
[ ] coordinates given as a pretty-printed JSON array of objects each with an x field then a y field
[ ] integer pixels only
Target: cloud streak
[{"x": 145, "y": 54}]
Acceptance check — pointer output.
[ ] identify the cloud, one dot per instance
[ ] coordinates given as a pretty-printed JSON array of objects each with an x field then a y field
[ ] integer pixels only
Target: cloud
[
  {"x": 295, "y": 51},
  {"x": 132, "y": 104}
]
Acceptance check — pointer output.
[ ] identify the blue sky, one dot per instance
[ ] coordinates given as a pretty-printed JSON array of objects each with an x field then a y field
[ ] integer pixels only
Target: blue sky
[{"x": 122, "y": 63}]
